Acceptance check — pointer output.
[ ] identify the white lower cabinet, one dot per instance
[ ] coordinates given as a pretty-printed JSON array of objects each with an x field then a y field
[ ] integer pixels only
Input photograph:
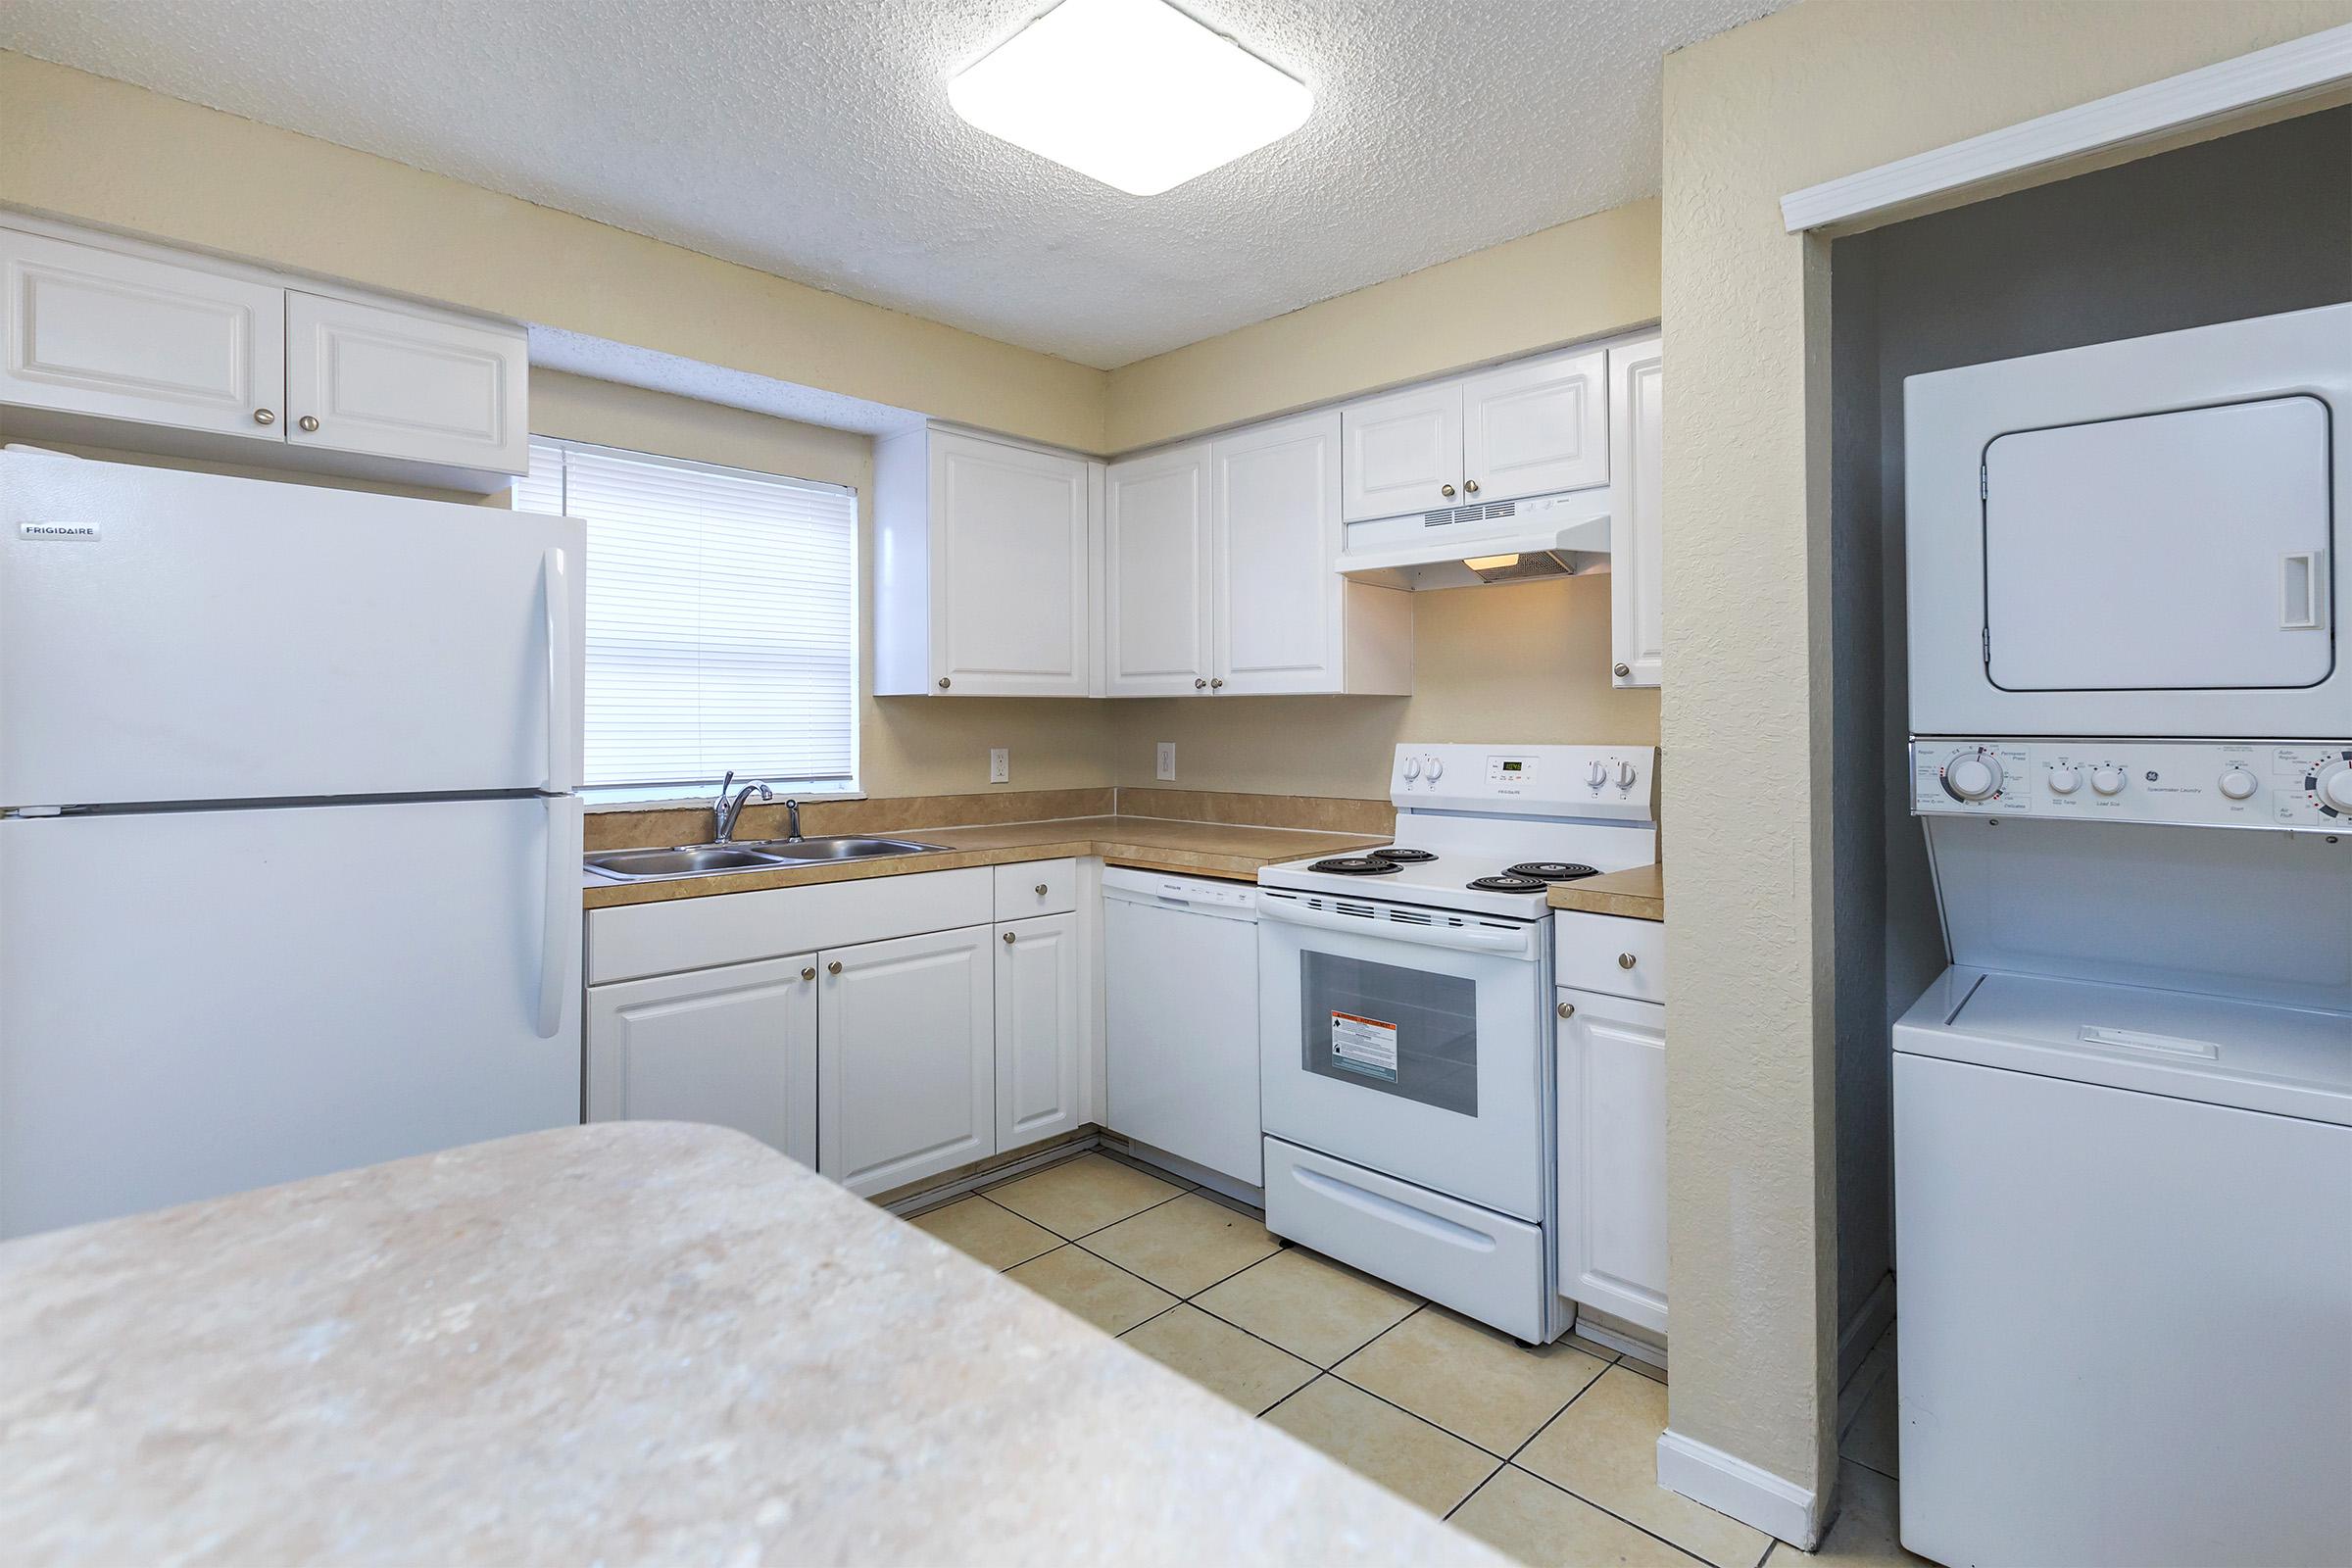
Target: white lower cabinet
[
  {"x": 734, "y": 1046},
  {"x": 1041, "y": 1047},
  {"x": 1612, "y": 1087},
  {"x": 907, "y": 1079}
]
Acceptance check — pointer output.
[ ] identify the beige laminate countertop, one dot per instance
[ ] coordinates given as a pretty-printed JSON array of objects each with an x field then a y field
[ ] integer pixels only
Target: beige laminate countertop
[
  {"x": 1154, "y": 843},
  {"x": 634, "y": 1342},
  {"x": 1640, "y": 894}
]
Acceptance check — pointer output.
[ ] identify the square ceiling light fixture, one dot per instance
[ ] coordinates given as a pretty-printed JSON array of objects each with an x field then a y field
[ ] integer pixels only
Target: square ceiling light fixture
[{"x": 1131, "y": 92}]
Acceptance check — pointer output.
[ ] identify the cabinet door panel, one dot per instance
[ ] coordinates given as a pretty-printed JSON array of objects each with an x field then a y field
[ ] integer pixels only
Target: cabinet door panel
[
  {"x": 1534, "y": 427},
  {"x": 1612, "y": 1084},
  {"x": 907, "y": 1059},
  {"x": 1405, "y": 452},
  {"x": 1277, "y": 531},
  {"x": 1040, "y": 1049},
  {"x": 1156, "y": 574},
  {"x": 734, "y": 1047},
  {"x": 419, "y": 388},
  {"x": 1636, "y": 514},
  {"x": 1010, "y": 570},
  {"x": 91, "y": 331}
]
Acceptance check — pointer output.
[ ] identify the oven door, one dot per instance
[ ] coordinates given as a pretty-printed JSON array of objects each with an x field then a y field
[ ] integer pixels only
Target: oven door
[{"x": 1409, "y": 1041}]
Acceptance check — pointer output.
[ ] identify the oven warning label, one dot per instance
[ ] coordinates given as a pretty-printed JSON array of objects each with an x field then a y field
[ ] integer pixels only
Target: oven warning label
[{"x": 1364, "y": 1044}]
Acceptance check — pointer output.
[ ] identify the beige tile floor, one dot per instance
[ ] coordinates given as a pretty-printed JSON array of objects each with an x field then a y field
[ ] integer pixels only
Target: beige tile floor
[{"x": 1547, "y": 1454}]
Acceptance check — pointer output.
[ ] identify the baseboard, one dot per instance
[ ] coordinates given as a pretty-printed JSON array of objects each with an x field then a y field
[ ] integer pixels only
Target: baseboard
[
  {"x": 909, "y": 1204},
  {"x": 1778, "y": 1507},
  {"x": 1616, "y": 1339},
  {"x": 1216, "y": 1181},
  {"x": 1856, "y": 1342}
]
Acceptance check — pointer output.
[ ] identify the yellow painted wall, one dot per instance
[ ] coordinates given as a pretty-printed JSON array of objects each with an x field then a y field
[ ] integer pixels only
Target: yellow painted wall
[
  {"x": 906, "y": 745},
  {"x": 97, "y": 151},
  {"x": 1581, "y": 279},
  {"x": 1820, "y": 90}
]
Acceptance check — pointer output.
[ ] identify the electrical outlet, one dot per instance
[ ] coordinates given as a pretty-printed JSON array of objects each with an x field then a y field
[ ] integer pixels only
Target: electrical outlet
[
  {"x": 1167, "y": 761},
  {"x": 1000, "y": 764}
]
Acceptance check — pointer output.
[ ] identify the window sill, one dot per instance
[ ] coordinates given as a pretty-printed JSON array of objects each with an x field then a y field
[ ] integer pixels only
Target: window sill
[{"x": 623, "y": 800}]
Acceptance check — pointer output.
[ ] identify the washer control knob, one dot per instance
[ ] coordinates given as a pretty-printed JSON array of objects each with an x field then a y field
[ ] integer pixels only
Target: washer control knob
[
  {"x": 2238, "y": 784},
  {"x": 1974, "y": 777},
  {"x": 2108, "y": 780},
  {"x": 1432, "y": 767},
  {"x": 2332, "y": 787},
  {"x": 2065, "y": 779},
  {"x": 1413, "y": 767}
]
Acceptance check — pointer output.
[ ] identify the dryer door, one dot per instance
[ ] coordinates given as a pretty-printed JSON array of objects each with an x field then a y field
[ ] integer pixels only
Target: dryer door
[{"x": 2183, "y": 551}]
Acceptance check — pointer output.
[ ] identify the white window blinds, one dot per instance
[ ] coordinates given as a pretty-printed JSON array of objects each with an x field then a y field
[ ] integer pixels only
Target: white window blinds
[{"x": 722, "y": 627}]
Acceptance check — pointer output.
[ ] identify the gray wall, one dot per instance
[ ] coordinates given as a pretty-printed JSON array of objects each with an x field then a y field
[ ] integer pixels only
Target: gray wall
[{"x": 2250, "y": 224}]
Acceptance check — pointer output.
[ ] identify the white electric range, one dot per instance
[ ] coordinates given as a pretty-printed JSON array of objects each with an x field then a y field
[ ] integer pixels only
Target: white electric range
[{"x": 1405, "y": 1023}]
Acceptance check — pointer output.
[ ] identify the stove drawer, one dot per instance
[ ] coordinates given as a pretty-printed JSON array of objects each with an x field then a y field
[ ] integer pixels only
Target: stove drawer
[
  {"x": 1482, "y": 1265},
  {"x": 1611, "y": 954}
]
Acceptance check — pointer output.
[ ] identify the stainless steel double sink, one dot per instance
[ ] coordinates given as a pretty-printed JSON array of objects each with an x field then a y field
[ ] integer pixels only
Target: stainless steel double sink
[{"x": 717, "y": 860}]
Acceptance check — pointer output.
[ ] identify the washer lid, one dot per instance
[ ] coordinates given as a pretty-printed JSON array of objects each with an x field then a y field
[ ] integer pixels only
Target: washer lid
[{"x": 2289, "y": 1061}]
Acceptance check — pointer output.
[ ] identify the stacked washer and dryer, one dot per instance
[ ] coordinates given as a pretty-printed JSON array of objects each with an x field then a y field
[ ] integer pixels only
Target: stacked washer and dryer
[{"x": 2123, "y": 1115}]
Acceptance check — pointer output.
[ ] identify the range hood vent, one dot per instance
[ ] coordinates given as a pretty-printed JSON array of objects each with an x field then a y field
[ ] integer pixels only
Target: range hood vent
[{"x": 1484, "y": 542}]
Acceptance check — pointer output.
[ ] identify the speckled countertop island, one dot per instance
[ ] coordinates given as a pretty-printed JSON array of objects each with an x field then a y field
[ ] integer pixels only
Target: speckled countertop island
[{"x": 630, "y": 1342}]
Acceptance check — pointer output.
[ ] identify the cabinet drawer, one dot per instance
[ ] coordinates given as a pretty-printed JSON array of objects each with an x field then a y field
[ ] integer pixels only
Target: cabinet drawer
[
  {"x": 1036, "y": 887},
  {"x": 1610, "y": 954}
]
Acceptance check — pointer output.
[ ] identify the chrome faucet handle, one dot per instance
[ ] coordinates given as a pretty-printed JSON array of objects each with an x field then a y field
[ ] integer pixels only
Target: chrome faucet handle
[
  {"x": 724, "y": 785},
  {"x": 792, "y": 818}
]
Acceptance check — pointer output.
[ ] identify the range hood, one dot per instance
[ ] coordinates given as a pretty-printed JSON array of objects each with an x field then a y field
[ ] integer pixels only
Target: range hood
[{"x": 1492, "y": 541}]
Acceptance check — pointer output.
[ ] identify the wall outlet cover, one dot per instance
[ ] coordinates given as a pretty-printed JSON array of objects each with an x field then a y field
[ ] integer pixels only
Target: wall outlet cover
[
  {"x": 1167, "y": 761},
  {"x": 1000, "y": 764}
]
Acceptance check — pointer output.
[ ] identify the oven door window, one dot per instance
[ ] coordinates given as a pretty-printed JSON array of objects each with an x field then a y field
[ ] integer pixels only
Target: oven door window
[{"x": 1393, "y": 1030}]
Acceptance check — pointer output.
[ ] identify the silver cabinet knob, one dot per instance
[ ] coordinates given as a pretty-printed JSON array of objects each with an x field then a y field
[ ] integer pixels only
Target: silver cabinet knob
[
  {"x": 943, "y": 683},
  {"x": 1470, "y": 487},
  {"x": 1566, "y": 1009},
  {"x": 1218, "y": 685},
  {"x": 309, "y": 421},
  {"x": 1624, "y": 670},
  {"x": 1625, "y": 961},
  {"x": 1200, "y": 683},
  {"x": 834, "y": 967},
  {"x": 1009, "y": 939},
  {"x": 808, "y": 973},
  {"x": 1041, "y": 890},
  {"x": 265, "y": 416},
  {"x": 1444, "y": 489}
]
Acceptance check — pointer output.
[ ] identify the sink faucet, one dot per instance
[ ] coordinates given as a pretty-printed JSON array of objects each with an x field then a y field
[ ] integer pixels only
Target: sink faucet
[
  {"x": 791, "y": 817},
  {"x": 725, "y": 812}
]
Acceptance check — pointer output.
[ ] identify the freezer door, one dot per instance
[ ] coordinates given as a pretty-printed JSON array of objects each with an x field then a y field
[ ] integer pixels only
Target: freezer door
[
  {"x": 187, "y": 637},
  {"x": 198, "y": 1003}
]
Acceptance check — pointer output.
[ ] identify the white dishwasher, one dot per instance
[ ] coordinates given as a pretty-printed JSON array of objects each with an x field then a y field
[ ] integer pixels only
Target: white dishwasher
[{"x": 1180, "y": 979}]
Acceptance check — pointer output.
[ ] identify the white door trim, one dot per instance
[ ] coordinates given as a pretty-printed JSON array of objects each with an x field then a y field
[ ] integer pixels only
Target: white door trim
[{"x": 2296, "y": 69}]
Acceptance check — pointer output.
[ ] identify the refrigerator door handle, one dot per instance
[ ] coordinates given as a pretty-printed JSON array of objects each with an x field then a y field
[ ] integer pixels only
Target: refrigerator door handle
[
  {"x": 556, "y": 593},
  {"x": 562, "y": 891}
]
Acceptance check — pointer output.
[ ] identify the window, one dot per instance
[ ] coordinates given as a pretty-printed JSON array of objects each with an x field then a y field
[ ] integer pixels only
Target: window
[{"x": 722, "y": 627}]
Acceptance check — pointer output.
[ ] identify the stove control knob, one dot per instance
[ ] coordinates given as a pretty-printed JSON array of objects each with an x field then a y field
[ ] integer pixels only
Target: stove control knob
[
  {"x": 2238, "y": 784},
  {"x": 1974, "y": 777},
  {"x": 1412, "y": 769},
  {"x": 2065, "y": 779},
  {"x": 1625, "y": 775},
  {"x": 2331, "y": 787},
  {"x": 1598, "y": 774},
  {"x": 2108, "y": 780},
  {"x": 1432, "y": 767}
]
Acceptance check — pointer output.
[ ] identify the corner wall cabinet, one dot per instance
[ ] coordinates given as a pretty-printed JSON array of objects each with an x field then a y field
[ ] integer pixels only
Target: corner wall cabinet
[
  {"x": 1527, "y": 429},
  {"x": 983, "y": 567},
  {"x": 1637, "y": 514},
  {"x": 1220, "y": 573},
  {"x": 122, "y": 343}
]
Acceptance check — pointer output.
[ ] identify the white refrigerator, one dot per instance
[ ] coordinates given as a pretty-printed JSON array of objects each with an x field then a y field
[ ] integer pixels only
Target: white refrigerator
[{"x": 289, "y": 843}]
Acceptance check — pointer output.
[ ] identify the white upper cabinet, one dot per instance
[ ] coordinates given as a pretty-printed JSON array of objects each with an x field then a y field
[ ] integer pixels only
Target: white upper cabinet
[
  {"x": 124, "y": 337},
  {"x": 1284, "y": 621},
  {"x": 1531, "y": 428},
  {"x": 1156, "y": 574},
  {"x": 130, "y": 344},
  {"x": 1405, "y": 452},
  {"x": 983, "y": 570},
  {"x": 399, "y": 384},
  {"x": 1636, "y": 514}
]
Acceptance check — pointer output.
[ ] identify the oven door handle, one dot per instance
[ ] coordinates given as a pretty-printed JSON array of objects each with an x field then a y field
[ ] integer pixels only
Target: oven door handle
[{"x": 1516, "y": 942}]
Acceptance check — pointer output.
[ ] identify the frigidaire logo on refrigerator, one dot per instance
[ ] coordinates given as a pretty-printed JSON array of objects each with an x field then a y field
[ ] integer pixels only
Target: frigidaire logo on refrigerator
[{"x": 57, "y": 530}]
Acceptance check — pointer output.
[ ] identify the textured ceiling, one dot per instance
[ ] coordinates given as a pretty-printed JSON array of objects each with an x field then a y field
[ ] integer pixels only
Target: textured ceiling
[{"x": 814, "y": 140}]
